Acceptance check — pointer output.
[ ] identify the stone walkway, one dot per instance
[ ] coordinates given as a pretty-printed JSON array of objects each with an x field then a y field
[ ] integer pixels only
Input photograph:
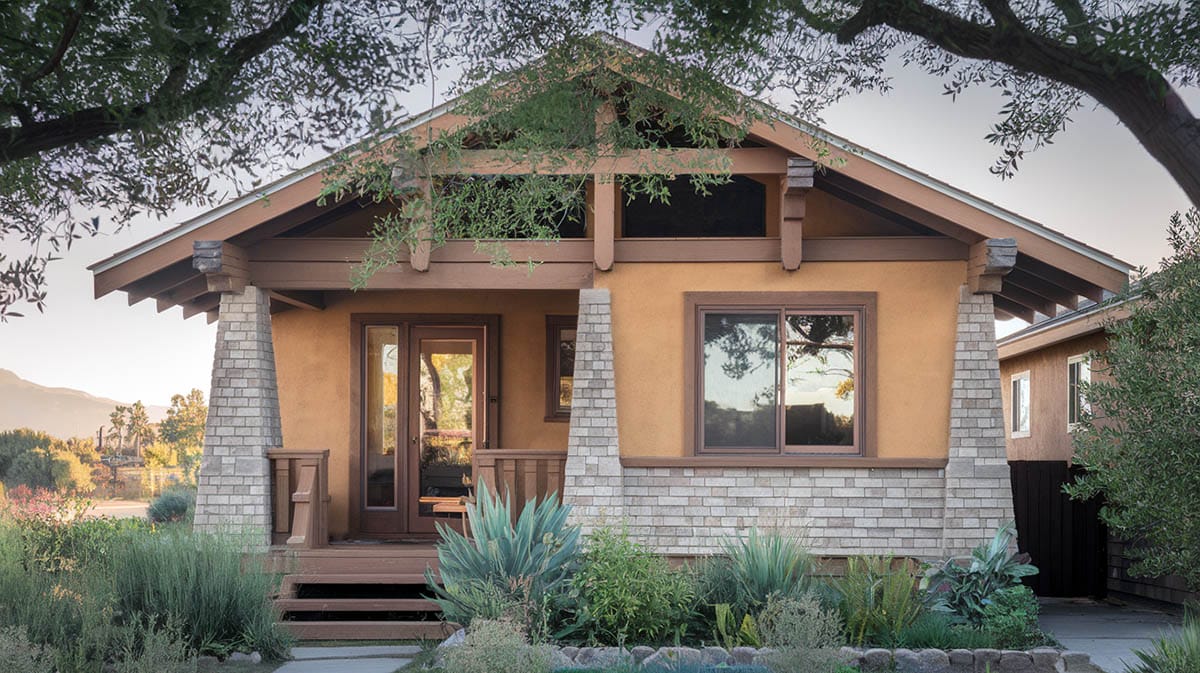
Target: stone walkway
[
  {"x": 366, "y": 659},
  {"x": 1107, "y": 631}
]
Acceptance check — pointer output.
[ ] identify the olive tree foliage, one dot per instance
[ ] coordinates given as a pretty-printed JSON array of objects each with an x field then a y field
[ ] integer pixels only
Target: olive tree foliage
[
  {"x": 140, "y": 106},
  {"x": 1140, "y": 445}
]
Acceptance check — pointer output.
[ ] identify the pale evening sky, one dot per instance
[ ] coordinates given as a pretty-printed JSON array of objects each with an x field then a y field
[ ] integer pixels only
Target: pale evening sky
[{"x": 1095, "y": 184}]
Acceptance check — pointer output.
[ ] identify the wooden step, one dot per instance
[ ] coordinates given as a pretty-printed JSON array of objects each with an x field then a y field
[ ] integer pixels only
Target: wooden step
[
  {"x": 317, "y": 565},
  {"x": 356, "y": 605},
  {"x": 369, "y": 630},
  {"x": 356, "y": 578}
]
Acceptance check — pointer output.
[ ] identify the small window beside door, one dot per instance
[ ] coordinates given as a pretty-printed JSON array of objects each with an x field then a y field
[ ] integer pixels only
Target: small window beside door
[
  {"x": 1079, "y": 374},
  {"x": 1020, "y": 405},
  {"x": 560, "y": 366}
]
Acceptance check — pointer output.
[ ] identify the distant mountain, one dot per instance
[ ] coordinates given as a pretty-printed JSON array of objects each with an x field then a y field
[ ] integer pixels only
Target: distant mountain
[{"x": 61, "y": 412}]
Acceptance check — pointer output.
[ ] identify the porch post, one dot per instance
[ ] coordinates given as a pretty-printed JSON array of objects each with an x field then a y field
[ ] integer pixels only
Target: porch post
[
  {"x": 243, "y": 422},
  {"x": 978, "y": 485},
  {"x": 592, "y": 477}
]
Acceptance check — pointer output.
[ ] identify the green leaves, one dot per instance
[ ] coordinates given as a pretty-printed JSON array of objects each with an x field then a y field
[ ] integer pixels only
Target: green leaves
[
  {"x": 520, "y": 571},
  {"x": 966, "y": 590},
  {"x": 1140, "y": 447}
]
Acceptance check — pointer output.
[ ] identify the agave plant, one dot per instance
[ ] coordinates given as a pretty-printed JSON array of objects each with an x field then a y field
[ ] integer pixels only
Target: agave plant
[
  {"x": 520, "y": 571},
  {"x": 766, "y": 565},
  {"x": 1179, "y": 653},
  {"x": 965, "y": 590}
]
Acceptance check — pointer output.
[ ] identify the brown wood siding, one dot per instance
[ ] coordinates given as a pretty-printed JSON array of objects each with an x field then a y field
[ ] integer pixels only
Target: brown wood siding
[{"x": 1048, "y": 436}]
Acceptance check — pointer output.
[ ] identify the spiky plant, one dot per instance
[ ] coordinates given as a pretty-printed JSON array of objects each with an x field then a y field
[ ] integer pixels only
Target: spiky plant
[{"x": 766, "y": 565}]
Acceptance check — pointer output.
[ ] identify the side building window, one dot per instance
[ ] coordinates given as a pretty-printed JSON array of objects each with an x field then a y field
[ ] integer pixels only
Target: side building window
[
  {"x": 1020, "y": 405},
  {"x": 560, "y": 366},
  {"x": 1079, "y": 373},
  {"x": 782, "y": 378}
]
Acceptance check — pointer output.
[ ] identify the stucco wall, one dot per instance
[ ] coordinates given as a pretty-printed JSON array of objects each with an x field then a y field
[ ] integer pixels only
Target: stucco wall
[
  {"x": 1048, "y": 436},
  {"x": 917, "y": 313},
  {"x": 312, "y": 351}
]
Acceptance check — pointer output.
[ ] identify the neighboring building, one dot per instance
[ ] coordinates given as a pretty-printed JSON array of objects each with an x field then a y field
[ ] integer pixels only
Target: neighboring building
[
  {"x": 1041, "y": 367},
  {"x": 806, "y": 349}
]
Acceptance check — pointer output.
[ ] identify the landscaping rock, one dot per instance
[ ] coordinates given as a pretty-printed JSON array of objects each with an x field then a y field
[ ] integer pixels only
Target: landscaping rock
[
  {"x": 933, "y": 661},
  {"x": 906, "y": 661},
  {"x": 962, "y": 661},
  {"x": 641, "y": 652},
  {"x": 762, "y": 657},
  {"x": 239, "y": 656},
  {"x": 560, "y": 661},
  {"x": 715, "y": 656},
  {"x": 570, "y": 652},
  {"x": 1012, "y": 661},
  {"x": 457, "y": 638},
  {"x": 743, "y": 656},
  {"x": 584, "y": 656},
  {"x": 987, "y": 661},
  {"x": 603, "y": 658},
  {"x": 850, "y": 656},
  {"x": 672, "y": 657},
  {"x": 207, "y": 661},
  {"x": 1045, "y": 659},
  {"x": 255, "y": 657},
  {"x": 876, "y": 659},
  {"x": 1077, "y": 662}
]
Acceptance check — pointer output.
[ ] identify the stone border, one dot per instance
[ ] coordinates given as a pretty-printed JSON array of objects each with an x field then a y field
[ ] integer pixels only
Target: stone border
[{"x": 875, "y": 660}]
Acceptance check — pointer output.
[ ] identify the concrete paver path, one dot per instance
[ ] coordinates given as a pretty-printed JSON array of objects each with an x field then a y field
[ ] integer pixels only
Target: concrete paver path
[
  {"x": 1106, "y": 631},
  {"x": 349, "y": 659}
]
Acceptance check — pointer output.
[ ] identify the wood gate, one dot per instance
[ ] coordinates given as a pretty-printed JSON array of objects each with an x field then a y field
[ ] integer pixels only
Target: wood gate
[{"x": 1065, "y": 538}]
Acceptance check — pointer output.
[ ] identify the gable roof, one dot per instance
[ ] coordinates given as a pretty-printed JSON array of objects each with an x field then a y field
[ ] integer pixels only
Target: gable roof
[{"x": 893, "y": 185}]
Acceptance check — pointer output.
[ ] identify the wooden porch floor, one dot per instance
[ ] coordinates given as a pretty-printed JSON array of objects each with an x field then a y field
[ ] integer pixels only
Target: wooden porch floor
[{"x": 358, "y": 591}]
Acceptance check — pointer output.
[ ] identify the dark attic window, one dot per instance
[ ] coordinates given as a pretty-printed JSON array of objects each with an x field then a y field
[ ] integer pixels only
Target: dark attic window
[{"x": 737, "y": 208}]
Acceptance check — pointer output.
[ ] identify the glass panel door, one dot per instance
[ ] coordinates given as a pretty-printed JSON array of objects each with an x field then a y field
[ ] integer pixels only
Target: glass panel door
[{"x": 446, "y": 399}]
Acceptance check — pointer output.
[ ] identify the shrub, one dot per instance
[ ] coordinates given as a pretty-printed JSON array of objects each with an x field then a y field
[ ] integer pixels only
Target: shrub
[
  {"x": 219, "y": 596},
  {"x": 175, "y": 504},
  {"x": 965, "y": 590},
  {"x": 497, "y": 646},
  {"x": 45, "y": 468},
  {"x": 1011, "y": 617},
  {"x": 765, "y": 566},
  {"x": 941, "y": 631},
  {"x": 629, "y": 594},
  {"x": 800, "y": 623},
  {"x": 529, "y": 566},
  {"x": 146, "y": 648},
  {"x": 19, "y": 655},
  {"x": 731, "y": 632},
  {"x": 1175, "y": 654},
  {"x": 877, "y": 600}
]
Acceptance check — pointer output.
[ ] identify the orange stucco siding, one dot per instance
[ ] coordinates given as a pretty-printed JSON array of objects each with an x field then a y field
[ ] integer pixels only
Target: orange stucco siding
[
  {"x": 916, "y": 320},
  {"x": 313, "y": 352},
  {"x": 1048, "y": 437}
]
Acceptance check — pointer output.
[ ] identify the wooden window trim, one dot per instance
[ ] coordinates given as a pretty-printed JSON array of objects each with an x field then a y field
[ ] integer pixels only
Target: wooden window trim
[
  {"x": 1013, "y": 432},
  {"x": 1085, "y": 363},
  {"x": 554, "y": 326},
  {"x": 864, "y": 303}
]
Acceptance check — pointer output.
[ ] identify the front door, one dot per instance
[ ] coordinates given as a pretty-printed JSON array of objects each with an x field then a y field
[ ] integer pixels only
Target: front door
[{"x": 424, "y": 407}]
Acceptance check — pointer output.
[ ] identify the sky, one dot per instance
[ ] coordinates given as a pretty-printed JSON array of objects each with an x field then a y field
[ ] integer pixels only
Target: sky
[{"x": 1095, "y": 184}]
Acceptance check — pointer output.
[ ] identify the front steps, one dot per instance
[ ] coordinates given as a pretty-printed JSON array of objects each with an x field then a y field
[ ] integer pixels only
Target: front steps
[{"x": 359, "y": 592}]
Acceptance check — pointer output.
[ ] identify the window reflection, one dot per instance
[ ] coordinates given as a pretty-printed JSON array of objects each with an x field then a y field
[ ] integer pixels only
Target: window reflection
[
  {"x": 819, "y": 394},
  {"x": 740, "y": 375}
]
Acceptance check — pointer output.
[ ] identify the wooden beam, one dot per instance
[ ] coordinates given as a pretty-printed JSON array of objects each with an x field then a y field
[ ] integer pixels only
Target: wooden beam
[
  {"x": 223, "y": 264},
  {"x": 204, "y": 304},
  {"x": 793, "y": 189},
  {"x": 1021, "y": 278},
  {"x": 1029, "y": 299},
  {"x": 604, "y": 221},
  {"x": 988, "y": 263},
  {"x": 194, "y": 287},
  {"x": 676, "y": 161},
  {"x": 159, "y": 282},
  {"x": 1012, "y": 308},
  {"x": 1061, "y": 278},
  {"x": 309, "y": 301},
  {"x": 443, "y": 275}
]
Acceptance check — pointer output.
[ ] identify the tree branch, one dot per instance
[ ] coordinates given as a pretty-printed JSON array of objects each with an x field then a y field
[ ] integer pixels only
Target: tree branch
[
  {"x": 64, "y": 41},
  {"x": 1079, "y": 23},
  {"x": 100, "y": 121}
]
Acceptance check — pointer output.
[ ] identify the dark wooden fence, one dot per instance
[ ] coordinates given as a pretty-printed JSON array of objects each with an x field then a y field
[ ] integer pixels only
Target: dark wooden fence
[{"x": 1065, "y": 538}]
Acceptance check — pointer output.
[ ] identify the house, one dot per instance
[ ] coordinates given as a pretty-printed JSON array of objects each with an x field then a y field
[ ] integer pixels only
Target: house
[
  {"x": 1041, "y": 369},
  {"x": 806, "y": 348}
]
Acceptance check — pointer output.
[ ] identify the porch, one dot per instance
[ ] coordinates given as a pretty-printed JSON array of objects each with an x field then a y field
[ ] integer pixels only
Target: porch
[{"x": 367, "y": 589}]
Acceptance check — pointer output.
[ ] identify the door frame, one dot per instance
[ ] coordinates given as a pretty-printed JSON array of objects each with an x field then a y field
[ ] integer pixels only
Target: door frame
[{"x": 491, "y": 434}]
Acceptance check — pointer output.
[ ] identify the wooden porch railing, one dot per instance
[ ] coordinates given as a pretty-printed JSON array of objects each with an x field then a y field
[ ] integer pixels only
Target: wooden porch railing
[
  {"x": 300, "y": 497},
  {"x": 523, "y": 474}
]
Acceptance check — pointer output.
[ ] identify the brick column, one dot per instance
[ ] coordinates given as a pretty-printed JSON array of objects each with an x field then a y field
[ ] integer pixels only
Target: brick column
[
  {"x": 243, "y": 422},
  {"x": 592, "y": 477},
  {"x": 978, "y": 486}
]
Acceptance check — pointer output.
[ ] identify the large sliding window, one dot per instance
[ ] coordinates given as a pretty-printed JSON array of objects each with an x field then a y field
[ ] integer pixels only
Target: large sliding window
[{"x": 782, "y": 378}]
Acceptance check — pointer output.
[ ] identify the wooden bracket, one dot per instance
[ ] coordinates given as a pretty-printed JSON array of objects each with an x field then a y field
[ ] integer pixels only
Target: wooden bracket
[
  {"x": 793, "y": 188},
  {"x": 604, "y": 199},
  {"x": 989, "y": 261},
  {"x": 224, "y": 265}
]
